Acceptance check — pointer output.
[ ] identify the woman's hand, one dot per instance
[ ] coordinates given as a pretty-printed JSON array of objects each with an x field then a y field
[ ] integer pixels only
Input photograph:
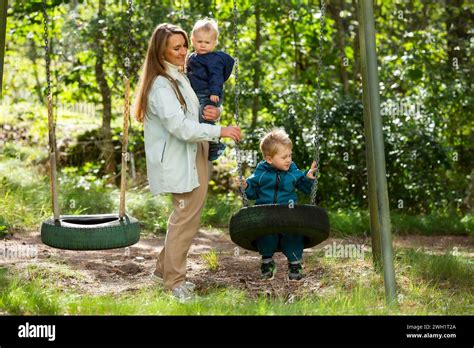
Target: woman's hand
[
  {"x": 231, "y": 132},
  {"x": 211, "y": 113},
  {"x": 310, "y": 174}
]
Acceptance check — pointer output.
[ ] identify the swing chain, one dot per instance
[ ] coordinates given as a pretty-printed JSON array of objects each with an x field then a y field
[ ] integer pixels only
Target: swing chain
[
  {"x": 314, "y": 188},
  {"x": 236, "y": 114},
  {"x": 47, "y": 48},
  {"x": 128, "y": 42},
  {"x": 49, "y": 96}
]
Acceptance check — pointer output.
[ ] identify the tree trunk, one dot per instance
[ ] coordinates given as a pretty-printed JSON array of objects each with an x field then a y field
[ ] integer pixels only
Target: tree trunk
[
  {"x": 106, "y": 134},
  {"x": 3, "y": 32},
  {"x": 356, "y": 48},
  {"x": 457, "y": 24},
  {"x": 335, "y": 8},
  {"x": 467, "y": 205},
  {"x": 295, "y": 39},
  {"x": 257, "y": 68},
  {"x": 32, "y": 54}
]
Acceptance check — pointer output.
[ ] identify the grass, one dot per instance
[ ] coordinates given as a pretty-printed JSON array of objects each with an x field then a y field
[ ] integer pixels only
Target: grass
[
  {"x": 23, "y": 197},
  {"x": 427, "y": 285},
  {"x": 357, "y": 223},
  {"x": 211, "y": 260},
  {"x": 442, "y": 270}
]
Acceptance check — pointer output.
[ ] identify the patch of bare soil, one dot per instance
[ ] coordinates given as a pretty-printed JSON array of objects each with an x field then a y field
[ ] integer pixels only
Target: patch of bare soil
[{"x": 129, "y": 269}]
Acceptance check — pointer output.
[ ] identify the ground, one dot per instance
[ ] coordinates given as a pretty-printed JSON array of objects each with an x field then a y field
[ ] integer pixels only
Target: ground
[{"x": 129, "y": 269}]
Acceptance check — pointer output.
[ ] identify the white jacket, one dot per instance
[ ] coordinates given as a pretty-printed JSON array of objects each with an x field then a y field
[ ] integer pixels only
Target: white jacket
[{"x": 171, "y": 136}]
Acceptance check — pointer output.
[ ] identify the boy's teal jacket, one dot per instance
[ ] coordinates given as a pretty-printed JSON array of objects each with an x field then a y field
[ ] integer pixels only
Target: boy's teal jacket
[{"x": 268, "y": 185}]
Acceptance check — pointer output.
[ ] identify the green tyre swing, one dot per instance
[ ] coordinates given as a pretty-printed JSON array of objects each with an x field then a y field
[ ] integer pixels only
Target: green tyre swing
[
  {"x": 252, "y": 222},
  {"x": 88, "y": 232}
]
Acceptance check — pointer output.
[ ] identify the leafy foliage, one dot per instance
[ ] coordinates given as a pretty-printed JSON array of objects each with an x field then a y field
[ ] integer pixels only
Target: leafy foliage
[{"x": 425, "y": 62}]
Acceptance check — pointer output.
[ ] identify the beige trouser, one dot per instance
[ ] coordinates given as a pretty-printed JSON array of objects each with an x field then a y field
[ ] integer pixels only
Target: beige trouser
[{"x": 183, "y": 225}]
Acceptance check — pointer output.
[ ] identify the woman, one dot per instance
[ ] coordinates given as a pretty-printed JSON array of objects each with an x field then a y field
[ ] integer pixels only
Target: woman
[{"x": 176, "y": 147}]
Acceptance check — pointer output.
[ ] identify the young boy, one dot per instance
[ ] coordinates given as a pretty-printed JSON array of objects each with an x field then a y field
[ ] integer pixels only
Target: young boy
[
  {"x": 275, "y": 181},
  {"x": 207, "y": 71}
]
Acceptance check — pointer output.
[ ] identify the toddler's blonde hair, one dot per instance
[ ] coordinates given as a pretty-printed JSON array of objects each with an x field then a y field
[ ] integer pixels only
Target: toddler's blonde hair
[
  {"x": 270, "y": 143},
  {"x": 207, "y": 25}
]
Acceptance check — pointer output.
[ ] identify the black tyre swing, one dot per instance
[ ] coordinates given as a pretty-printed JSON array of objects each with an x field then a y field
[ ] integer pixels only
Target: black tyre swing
[
  {"x": 88, "y": 232},
  {"x": 252, "y": 222}
]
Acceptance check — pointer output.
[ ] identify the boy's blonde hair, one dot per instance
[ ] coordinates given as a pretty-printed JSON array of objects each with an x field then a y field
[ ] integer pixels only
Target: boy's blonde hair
[
  {"x": 207, "y": 25},
  {"x": 270, "y": 143}
]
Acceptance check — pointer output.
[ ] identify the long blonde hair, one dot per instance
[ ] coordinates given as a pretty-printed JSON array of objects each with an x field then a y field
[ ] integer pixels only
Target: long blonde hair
[{"x": 154, "y": 66}]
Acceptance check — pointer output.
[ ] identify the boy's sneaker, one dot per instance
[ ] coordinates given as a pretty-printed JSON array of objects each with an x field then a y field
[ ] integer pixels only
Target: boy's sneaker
[
  {"x": 216, "y": 149},
  {"x": 268, "y": 270},
  {"x": 295, "y": 271}
]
